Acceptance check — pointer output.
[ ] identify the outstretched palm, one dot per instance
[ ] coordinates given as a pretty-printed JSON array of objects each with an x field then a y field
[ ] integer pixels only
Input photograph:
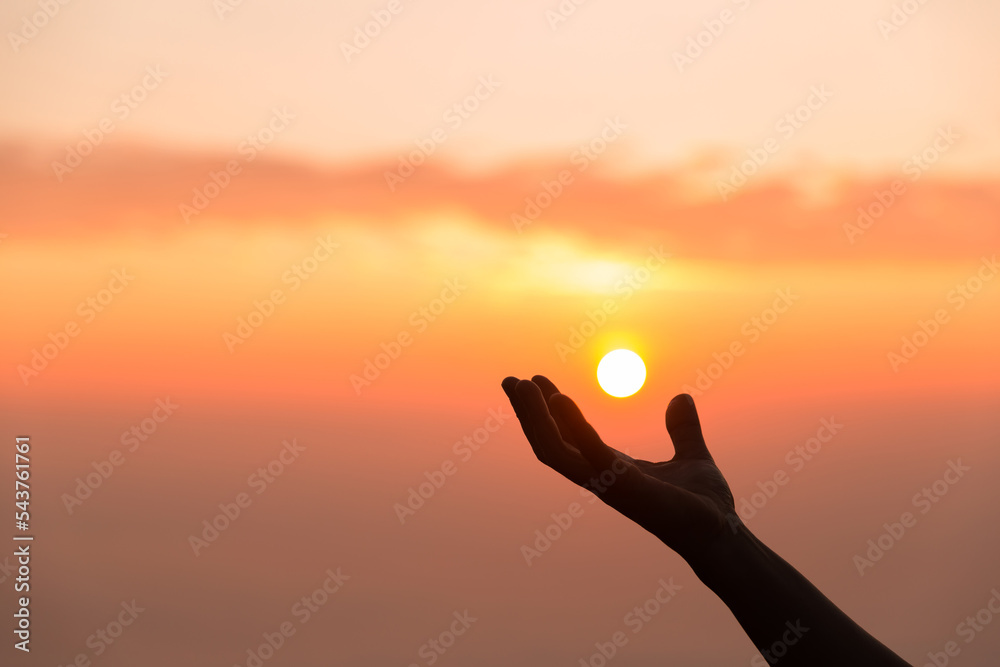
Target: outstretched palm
[{"x": 685, "y": 501}]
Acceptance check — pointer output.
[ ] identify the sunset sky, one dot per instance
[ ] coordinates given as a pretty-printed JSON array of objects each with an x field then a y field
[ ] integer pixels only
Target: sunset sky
[{"x": 297, "y": 235}]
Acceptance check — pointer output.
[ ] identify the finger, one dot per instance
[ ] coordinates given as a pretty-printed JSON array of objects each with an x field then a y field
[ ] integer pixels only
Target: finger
[
  {"x": 509, "y": 385},
  {"x": 685, "y": 429},
  {"x": 618, "y": 481},
  {"x": 546, "y": 385},
  {"x": 566, "y": 461},
  {"x": 548, "y": 391},
  {"x": 548, "y": 440},
  {"x": 591, "y": 446}
]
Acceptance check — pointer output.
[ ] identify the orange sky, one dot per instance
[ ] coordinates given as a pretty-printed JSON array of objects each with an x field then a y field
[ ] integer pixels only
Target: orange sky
[
  {"x": 381, "y": 262},
  {"x": 247, "y": 240}
]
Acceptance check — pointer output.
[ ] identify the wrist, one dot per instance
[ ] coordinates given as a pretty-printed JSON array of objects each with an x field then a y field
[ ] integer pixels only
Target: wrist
[{"x": 732, "y": 559}]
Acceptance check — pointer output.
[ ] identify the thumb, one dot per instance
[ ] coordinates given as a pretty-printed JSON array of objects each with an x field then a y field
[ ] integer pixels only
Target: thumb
[{"x": 685, "y": 429}]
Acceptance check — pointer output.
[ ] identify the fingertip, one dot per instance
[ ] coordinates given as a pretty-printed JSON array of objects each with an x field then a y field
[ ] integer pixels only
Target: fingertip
[
  {"x": 564, "y": 405},
  {"x": 531, "y": 397},
  {"x": 681, "y": 410},
  {"x": 683, "y": 399},
  {"x": 547, "y": 386},
  {"x": 524, "y": 385}
]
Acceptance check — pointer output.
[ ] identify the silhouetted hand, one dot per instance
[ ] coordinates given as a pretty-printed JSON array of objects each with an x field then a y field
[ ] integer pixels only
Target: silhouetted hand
[
  {"x": 684, "y": 501},
  {"x": 687, "y": 503}
]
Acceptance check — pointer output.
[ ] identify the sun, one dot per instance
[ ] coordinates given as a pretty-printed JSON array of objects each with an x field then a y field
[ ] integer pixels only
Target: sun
[{"x": 621, "y": 373}]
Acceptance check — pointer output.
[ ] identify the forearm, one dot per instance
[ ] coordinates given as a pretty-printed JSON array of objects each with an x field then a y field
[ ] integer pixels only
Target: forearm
[{"x": 787, "y": 618}]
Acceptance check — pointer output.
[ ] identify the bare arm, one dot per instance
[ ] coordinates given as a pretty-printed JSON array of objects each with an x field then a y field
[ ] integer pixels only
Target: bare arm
[{"x": 687, "y": 503}]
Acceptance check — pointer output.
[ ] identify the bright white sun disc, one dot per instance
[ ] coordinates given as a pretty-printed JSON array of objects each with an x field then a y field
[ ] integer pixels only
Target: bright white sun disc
[{"x": 621, "y": 373}]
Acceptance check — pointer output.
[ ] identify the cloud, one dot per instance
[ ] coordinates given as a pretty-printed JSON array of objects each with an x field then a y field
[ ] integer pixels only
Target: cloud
[{"x": 780, "y": 217}]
